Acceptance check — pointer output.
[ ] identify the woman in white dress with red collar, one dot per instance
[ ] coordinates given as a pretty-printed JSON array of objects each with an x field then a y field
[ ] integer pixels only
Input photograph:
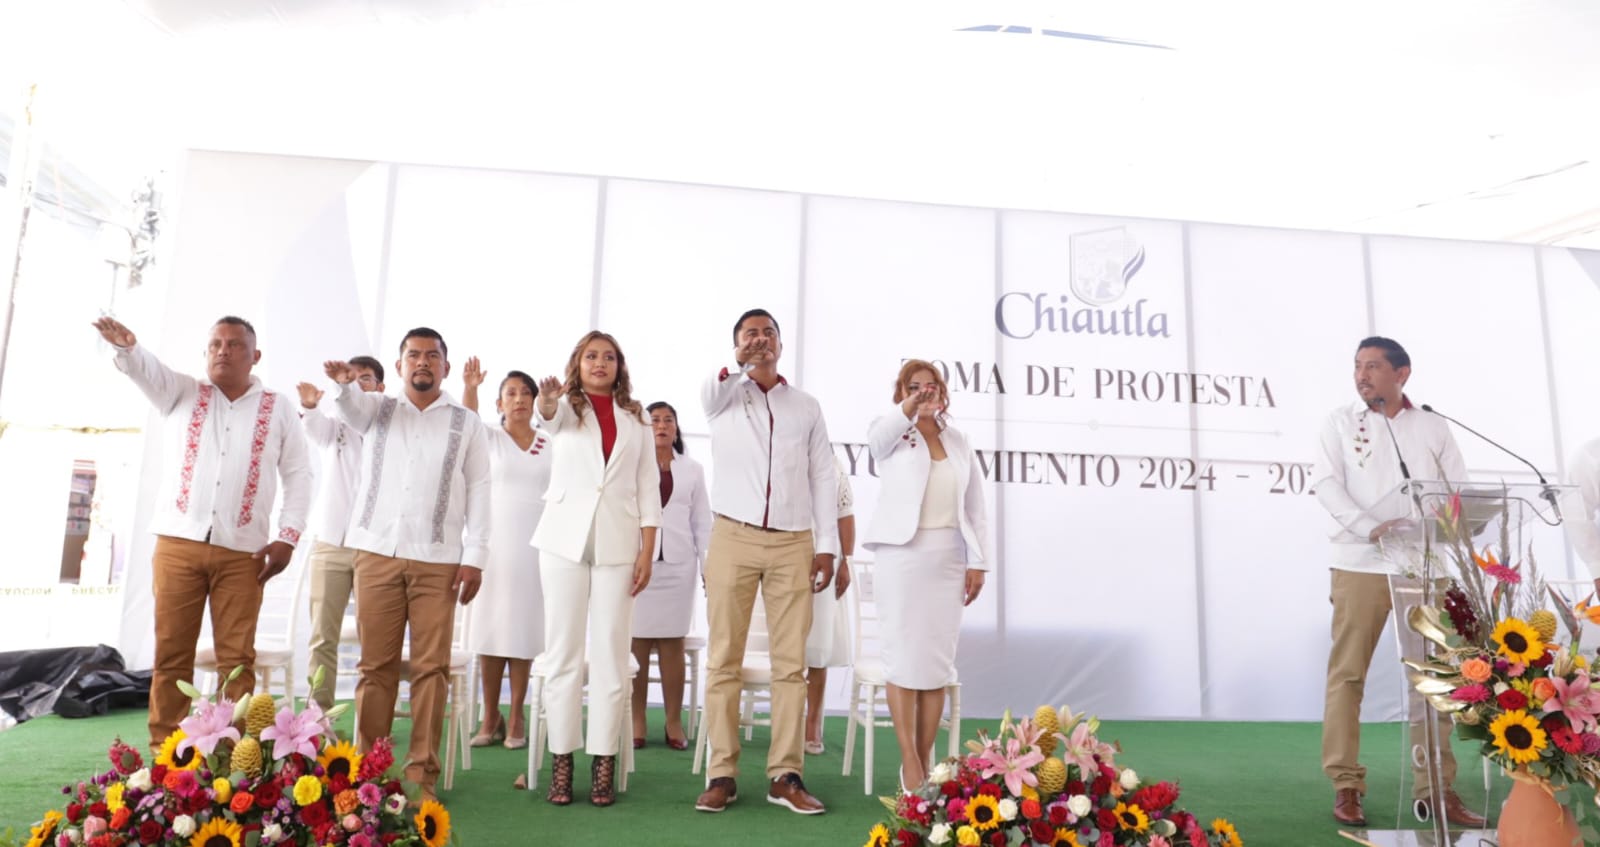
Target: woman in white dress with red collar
[{"x": 930, "y": 536}]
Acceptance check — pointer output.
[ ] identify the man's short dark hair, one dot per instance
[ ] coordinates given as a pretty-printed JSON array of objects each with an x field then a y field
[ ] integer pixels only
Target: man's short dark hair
[
  {"x": 1397, "y": 355},
  {"x": 425, "y": 332},
  {"x": 370, "y": 364},
  {"x": 755, "y": 313},
  {"x": 234, "y": 320}
]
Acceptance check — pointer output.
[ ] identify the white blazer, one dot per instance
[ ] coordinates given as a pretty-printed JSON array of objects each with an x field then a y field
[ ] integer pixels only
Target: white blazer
[
  {"x": 685, "y": 532},
  {"x": 615, "y": 498},
  {"x": 901, "y": 454}
]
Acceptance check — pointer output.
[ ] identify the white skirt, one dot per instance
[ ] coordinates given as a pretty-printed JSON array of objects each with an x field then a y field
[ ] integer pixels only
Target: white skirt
[
  {"x": 665, "y": 608},
  {"x": 918, "y": 588},
  {"x": 828, "y": 642}
]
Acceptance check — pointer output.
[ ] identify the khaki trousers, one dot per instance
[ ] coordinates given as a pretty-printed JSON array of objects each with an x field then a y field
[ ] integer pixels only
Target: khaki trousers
[
  {"x": 332, "y": 580},
  {"x": 390, "y": 593},
  {"x": 185, "y": 575},
  {"x": 1362, "y": 603},
  {"x": 742, "y": 559}
]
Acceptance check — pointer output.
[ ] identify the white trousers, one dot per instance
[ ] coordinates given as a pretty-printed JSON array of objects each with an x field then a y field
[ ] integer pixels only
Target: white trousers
[{"x": 583, "y": 599}]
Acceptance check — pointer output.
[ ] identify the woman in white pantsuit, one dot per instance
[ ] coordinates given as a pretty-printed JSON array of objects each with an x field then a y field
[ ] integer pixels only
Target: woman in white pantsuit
[
  {"x": 929, "y": 533},
  {"x": 600, "y": 516},
  {"x": 663, "y": 612}
]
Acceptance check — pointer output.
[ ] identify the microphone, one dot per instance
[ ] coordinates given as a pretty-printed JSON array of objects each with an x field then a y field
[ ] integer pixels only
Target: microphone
[
  {"x": 1549, "y": 492},
  {"x": 1404, "y": 471}
]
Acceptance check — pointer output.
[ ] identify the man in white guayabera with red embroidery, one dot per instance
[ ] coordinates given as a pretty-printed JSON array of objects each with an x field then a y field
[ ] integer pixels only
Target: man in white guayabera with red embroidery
[{"x": 229, "y": 444}]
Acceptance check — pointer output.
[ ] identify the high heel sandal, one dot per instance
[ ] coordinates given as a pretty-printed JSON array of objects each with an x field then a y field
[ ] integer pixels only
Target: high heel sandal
[
  {"x": 603, "y": 772},
  {"x": 483, "y": 739},
  {"x": 560, "y": 793}
]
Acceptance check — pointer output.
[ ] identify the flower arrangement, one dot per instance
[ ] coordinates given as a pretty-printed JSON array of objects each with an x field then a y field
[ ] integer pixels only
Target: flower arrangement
[
  {"x": 1047, "y": 779},
  {"x": 1500, "y": 668},
  {"x": 285, "y": 779}
]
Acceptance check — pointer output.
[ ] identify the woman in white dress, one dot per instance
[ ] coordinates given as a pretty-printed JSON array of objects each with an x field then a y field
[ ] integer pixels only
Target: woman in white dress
[
  {"x": 508, "y": 618},
  {"x": 930, "y": 535},
  {"x": 664, "y": 611},
  {"x": 828, "y": 642}
]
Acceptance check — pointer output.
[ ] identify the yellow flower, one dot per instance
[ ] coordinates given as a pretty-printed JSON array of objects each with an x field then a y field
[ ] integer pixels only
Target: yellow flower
[
  {"x": 1519, "y": 735},
  {"x": 983, "y": 812},
  {"x": 1518, "y": 641},
  {"x": 433, "y": 824},
  {"x": 188, "y": 760},
  {"x": 307, "y": 790},
  {"x": 218, "y": 832},
  {"x": 338, "y": 759},
  {"x": 1131, "y": 818},
  {"x": 1029, "y": 792},
  {"x": 968, "y": 837},
  {"x": 114, "y": 795},
  {"x": 1066, "y": 838},
  {"x": 223, "y": 789},
  {"x": 1230, "y": 836},
  {"x": 878, "y": 837},
  {"x": 42, "y": 831}
]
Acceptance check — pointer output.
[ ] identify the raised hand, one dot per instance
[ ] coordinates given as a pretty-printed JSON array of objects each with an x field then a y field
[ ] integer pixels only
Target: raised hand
[
  {"x": 113, "y": 331},
  {"x": 550, "y": 388},
  {"x": 472, "y": 374},
  {"x": 929, "y": 402},
  {"x": 753, "y": 352},
  {"x": 340, "y": 372},
  {"x": 310, "y": 395}
]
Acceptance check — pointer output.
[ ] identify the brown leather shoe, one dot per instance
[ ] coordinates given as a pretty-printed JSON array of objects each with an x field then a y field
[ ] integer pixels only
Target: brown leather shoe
[
  {"x": 1347, "y": 807},
  {"x": 1456, "y": 812},
  {"x": 718, "y": 795},
  {"x": 788, "y": 791}
]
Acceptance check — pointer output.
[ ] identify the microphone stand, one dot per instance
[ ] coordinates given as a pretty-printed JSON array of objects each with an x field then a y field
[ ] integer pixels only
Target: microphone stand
[{"x": 1549, "y": 493}]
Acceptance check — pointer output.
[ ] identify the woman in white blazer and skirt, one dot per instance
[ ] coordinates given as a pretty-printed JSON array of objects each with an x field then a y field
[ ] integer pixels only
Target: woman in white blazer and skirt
[
  {"x": 664, "y": 612},
  {"x": 595, "y": 542},
  {"x": 929, "y": 534}
]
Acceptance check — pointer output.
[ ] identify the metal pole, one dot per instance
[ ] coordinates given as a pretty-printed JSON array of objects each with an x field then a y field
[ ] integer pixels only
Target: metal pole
[{"x": 24, "y": 164}]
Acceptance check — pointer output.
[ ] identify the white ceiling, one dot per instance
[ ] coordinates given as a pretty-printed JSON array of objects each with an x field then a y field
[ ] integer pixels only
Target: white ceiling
[{"x": 1468, "y": 119}]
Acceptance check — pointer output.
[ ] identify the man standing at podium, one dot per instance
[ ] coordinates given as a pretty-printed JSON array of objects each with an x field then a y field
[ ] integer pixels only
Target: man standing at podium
[{"x": 1358, "y": 479}]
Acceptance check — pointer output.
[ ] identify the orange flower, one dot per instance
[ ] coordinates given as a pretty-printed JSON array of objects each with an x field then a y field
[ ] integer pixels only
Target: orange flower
[
  {"x": 1477, "y": 670},
  {"x": 119, "y": 818},
  {"x": 242, "y": 801},
  {"x": 346, "y": 801},
  {"x": 1031, "y": 809},
  {"x": 1542, "y": 689},
  {"x": 1588, "y": 611}
]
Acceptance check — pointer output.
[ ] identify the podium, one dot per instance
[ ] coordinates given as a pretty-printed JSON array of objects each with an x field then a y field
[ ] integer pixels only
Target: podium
[{"x": 1428, "y": 521}]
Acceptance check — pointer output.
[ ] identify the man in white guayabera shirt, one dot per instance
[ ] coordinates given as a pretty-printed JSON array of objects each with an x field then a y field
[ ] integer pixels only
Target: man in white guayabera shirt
[
  {"x": 230, "y": 441},
  {"x": 333, "y": 565},
  {"x": 420, "y": 524},
  {"x": 1357, "y": 480}
]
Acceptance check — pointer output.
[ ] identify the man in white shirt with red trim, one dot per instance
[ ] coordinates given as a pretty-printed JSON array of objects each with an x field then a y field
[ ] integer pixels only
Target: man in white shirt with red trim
[
  {"x": 333, "y": 565},
  {"x": 1357, "y": 480},
  {"x": 234, "y": 442},
  {"x": 774, "y": 481},
  {"x": 421, "y": 528}
]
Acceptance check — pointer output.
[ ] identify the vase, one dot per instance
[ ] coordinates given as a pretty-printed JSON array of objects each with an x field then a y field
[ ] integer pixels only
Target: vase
[{"x": 1533, "y": 818}]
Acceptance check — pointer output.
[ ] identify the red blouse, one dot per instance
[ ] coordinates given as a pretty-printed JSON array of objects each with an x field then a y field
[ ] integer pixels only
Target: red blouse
[{"x": 606, "y": 414}]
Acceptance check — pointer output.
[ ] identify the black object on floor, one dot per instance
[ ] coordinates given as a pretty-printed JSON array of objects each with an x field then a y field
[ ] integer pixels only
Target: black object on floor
[{"x": 73, "y": 682}]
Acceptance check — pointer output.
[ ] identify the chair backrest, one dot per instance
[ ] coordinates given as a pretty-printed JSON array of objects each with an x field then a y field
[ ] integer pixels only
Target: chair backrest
[{"x": 864, "y": 609}]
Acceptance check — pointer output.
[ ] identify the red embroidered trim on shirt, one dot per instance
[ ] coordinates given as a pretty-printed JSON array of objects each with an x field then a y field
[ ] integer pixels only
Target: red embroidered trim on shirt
[
  {"x": 191, "y": 445},
  {"x": 292, "y": 536},
  {"x": 258, "y": 444}
]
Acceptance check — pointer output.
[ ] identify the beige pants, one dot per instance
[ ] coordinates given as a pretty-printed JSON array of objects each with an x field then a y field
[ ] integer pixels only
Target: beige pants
[
  {"x": 185, "y": 574},
  {"x": 389, "y": 594},
  {"x": 742, "y": 559},
  {"x": 1361, "y": 606},
  {"x": 332, "y": 580}
]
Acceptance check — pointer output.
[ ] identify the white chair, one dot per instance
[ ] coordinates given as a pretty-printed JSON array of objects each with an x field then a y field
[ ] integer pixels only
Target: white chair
[
  {"x": 458, "y": 705},
  {"x": 536, "y": 737},
  {"x": 277, "y": 634},
  {"x": 868, "y": 685},
  {"x": 755, "y": 681}
]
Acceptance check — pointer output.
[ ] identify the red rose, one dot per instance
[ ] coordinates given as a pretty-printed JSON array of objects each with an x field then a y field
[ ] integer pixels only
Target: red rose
[
  {"x": 1543, "y": 661},
  {"x": 321, "y": 831},
  {"x": 158, "y": 775},
  {"x": 1106, "y": 818},
  {"x": 75, "y": 812},
  {"x": 907, "y": 838},
  {"x": 314, "y": 814},
  {"x": 1058, "y": 815},
  {"x": 1511, "y": 698},
  {"x": 338, "y": 784},
  {"x": 1031, "y": 809},
  {"x": 1042, "y": 832},
  {"x": 1553, "y": 722},
  {"x": 1074, "y": 786},
  {"x": 393, "y": 786},
  {"x": 1154, "y": 798},
  {"x": 102, "y": 841},
  {"x": 1102, "y": 785},
  {"x": 268, "y": 794},
  {"x": 998, "y": 838},
  {"x": 99, "y": 810},
  {"x": 950, "y": 789},
  {"x": 990, "y": 789},
  {"x": 150, "y": 832}
]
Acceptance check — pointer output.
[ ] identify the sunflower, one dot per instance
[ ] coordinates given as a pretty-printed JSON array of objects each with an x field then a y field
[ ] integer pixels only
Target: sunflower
[
  {"x": 1518, "y": 735},
  {"x": 1131, "y": 818},
  {"x": 340, "y": 759},
  {"x": 1518, "y": 641},
  {"x": 188, "y": 760},
  {"x": 433, "y": 823},
  {"x": 879, "y": 837},
  {"x": 983, "y": 812},
  {"x": 1230, "y": 836},
  {"x": 1067, "y": 838},
  {"x": 217, "y": 832},
  {"x": 45, "y": 829}
]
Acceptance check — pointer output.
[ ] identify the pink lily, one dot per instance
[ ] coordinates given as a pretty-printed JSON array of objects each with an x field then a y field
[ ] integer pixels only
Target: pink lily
[
  {"x": 208, "y": 726},
  {"x": 1577, "y": 700},
  {"x": 1013, "y": 764},
  {"x": 292, "y": 733},
  {"x": 1081, "y": 749}
]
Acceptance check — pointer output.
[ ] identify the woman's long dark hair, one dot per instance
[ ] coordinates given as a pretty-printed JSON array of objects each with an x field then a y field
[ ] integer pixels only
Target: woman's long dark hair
[
  {"x": 677, "y": 431},
  {"x": 533, "y": 386}
]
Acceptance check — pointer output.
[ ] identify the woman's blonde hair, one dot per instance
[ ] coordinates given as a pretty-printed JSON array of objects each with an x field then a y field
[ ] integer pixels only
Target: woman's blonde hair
[
  {"x": 621, "y": 389},
  {"x": 902, "y": 383}
]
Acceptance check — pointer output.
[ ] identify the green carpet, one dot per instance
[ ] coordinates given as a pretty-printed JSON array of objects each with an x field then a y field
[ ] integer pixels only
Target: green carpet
[{"x": 1263, "y": 776}]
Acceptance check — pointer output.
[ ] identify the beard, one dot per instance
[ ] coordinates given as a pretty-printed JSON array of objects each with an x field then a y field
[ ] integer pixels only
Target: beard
[{"x": 423, "y": 381}]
